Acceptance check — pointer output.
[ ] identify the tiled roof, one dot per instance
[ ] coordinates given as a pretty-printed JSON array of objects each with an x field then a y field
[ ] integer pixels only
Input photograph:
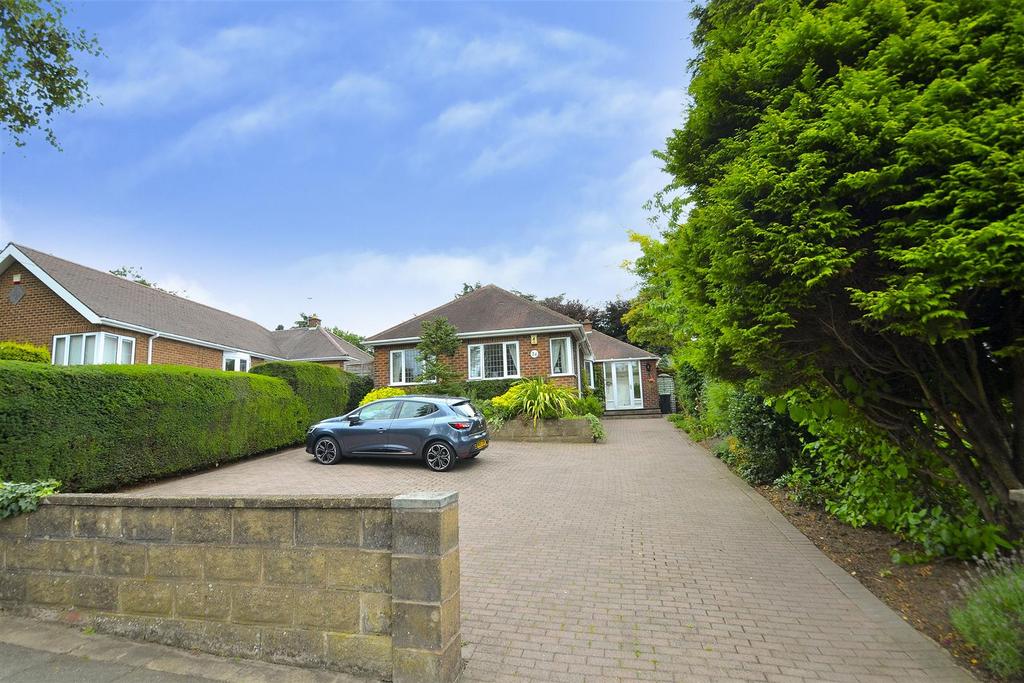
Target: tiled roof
[
  {"x": 610, "y": 348},
  {"x": 482, "y": 310},
  {"x": 305, "y": 343},
  {"x": 118, "y": 299}
]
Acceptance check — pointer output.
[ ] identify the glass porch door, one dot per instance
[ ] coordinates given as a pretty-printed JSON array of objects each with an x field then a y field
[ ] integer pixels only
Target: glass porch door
[{"x": 622, "y": 390}]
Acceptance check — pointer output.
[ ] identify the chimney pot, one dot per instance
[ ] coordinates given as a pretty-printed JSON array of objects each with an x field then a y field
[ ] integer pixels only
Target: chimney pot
[
  {"x": 314, "y": 321},
  {"x": 587, "y": 326}
]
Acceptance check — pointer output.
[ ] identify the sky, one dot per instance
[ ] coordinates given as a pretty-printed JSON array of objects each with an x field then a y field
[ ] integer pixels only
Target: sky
[{"x": 360, "y": 161}]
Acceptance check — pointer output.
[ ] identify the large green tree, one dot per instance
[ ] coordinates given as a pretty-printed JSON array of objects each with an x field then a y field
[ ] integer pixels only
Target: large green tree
[
  {"x": 850, "y": 178},
  {"x": 38, "y": 75}
]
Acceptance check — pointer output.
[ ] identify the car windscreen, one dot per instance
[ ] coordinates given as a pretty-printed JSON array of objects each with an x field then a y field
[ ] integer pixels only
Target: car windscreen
[{"x": 465, "y": 408}]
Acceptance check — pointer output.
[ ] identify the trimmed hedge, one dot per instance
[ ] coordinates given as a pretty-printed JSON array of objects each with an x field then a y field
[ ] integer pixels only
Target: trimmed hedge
[
  {"x": 105, "y": 426},
  {"x": 323, "y": 389},
  {"x": 30, "y": 353},
  {"x": 359, "y": 387}
]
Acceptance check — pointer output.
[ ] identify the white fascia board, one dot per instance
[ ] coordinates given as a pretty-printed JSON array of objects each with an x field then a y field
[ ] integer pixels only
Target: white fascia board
[
  {"x": 11, "y": 252},
  {"x": 612, "y": 360},
  {"x": 341, "y": 358}
]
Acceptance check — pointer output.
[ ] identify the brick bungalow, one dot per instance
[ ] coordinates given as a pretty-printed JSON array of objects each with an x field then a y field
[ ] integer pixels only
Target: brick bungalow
[
  {"x": 86, "y": 316},
  {"x": 505, "y": 336}
]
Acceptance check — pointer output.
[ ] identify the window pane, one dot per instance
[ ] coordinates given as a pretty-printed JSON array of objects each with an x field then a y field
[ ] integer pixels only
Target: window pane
[
  {"x": 229, "y": 364},
  {"x": 127, "y": 352},
  {"x": 396, "y": 367},
  {"x": 466, "y": 408},
  {"x": 75, "y": 349},
  {"x": 60, "y": 347},
  {"x": 475, "y": 362},
  {"x": 378, "y": 411},
  {"x": 494, "y": 366},
  {"x": 90, "y": 350},
  {"x": 243, "y": 365},
  {"x": 558, "y": 357},
  {"x": 109, "y": 349},
  {"x": 512, "y": 359},
  {"x": 636, "y": 381},
  {"x": 413, "y": 366},
  {"x": 411, "y": 409}
]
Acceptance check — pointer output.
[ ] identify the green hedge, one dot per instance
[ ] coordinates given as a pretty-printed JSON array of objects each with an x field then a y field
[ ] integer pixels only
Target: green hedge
[
  {"x": 323, "y": 389},
  {"x": 27, "y": 352},
  {"x": 101, "y": 427},
  {"x": 359, "y": 387}
]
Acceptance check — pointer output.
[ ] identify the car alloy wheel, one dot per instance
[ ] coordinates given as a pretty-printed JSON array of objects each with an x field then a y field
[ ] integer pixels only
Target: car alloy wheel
[
  {"x": 326, "y": 451},
  {"x": 440, "y": 457}
]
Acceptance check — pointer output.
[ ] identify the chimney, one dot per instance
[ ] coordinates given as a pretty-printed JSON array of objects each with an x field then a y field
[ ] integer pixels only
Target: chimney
[
  {"x": 587, "y": 326},
  {"x": 313, "y": 321}
]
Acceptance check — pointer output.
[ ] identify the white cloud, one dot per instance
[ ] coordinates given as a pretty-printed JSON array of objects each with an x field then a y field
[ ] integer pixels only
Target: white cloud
[
  {"x": 468, "y": 115},
  {"x": 179, "y": 73},
  {"x": 352, "y": 94}
]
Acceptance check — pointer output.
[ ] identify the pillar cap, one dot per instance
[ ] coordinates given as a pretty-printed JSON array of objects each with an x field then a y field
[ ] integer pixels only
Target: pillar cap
[{"x": 425, "y": 499}]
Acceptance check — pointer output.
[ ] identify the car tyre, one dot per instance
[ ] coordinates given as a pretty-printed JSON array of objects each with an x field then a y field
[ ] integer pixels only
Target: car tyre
[
  {"x": 327, "y": 451},
  {"x": 439, "y": 456}
]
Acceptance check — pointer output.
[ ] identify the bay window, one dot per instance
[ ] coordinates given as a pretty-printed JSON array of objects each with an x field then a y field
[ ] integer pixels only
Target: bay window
[
  {"x": 406, "y": 367},
  {"x": 97, "y": 348},
  {"x": 561, "y": 356},
  {"x": 494, "y": 361}
]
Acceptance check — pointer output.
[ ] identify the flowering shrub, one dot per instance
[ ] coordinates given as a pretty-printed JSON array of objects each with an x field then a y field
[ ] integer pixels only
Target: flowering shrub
[
  {"x": 992, "y": 616},
  {"x": 383, "y": 392}
]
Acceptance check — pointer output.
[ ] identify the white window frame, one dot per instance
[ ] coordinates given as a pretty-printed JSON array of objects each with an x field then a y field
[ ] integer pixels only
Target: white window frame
[
  {"x": 504, "y": 361},
  {"x": 590, "y": 373},
  {"x": 568, "y": 356},
  {"x": 238, "y": 357},
  {"x": 97, "y": 352},
  {"x": 391, "y": 368}
]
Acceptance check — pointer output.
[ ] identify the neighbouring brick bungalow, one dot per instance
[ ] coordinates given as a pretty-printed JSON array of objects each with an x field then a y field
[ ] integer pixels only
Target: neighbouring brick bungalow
[
  {"x": 506, "y": 336},
  {"x": 86, "y": 316}
]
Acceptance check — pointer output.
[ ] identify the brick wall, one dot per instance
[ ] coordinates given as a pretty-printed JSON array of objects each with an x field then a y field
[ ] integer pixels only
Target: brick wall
[
  {"x": 366, "y": 585},
  {"x": 528, "y": 367},
  {"x": 173, "y": 352}
]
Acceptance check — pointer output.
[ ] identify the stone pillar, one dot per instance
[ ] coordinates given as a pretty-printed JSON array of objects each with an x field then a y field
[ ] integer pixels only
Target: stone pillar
[{"x": 427, "y": 638}]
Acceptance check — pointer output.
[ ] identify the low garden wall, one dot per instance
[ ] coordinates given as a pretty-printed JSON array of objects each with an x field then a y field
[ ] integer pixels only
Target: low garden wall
[
  {"x": 365, "y": 585},
  {"x": 560, "y": 430}
]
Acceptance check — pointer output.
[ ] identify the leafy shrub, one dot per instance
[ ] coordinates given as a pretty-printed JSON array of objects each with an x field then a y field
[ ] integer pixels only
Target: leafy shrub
[
  {"x": 383, "y": 392},
  {"x": 992, "y": 616},
  {"x": 16, "y": 497},
  {"x": 537, "y": 399},
  {"x": 494, "y": 415},
  {"x": 359, "y": 386},
  {"x": 689, "y": 389},
  {"x": 590, "y": 405},
  {"x": 103, "y": 426},
  {"x": 768, "y": 440},
  {"x": 717, "y": 399},
  {"x": 486, "y": 389},
  {"x": 863, "y": 479},
  {"x": 24, "y": 352},
  {"x": 596, "y": 428},
  {"x": 322, "y": 388}
]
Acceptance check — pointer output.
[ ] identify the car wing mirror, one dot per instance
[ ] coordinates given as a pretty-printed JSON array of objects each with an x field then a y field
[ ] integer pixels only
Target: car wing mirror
[{"x": 354, "y": 420}]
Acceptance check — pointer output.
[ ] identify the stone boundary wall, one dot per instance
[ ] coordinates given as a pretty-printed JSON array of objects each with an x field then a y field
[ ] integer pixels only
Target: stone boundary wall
[
  {"x": 564, "y": 431},
  {"x": 367, "y": 585}
]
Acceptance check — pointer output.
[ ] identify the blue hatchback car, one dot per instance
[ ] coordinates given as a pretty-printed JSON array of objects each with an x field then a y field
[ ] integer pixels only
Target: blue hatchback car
[{"x": 439, "y": 429}]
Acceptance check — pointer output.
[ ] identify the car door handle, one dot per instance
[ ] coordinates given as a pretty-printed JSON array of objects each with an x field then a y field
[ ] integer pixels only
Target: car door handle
[{"x": 380, "y": 430}]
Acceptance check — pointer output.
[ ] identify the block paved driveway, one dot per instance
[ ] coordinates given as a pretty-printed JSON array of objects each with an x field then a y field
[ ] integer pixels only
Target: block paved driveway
[{"x": 640, "y": 559}]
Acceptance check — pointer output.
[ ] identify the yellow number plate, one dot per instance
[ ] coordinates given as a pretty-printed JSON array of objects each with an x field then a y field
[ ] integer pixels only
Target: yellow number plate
[{"x": 481, "y": 444}]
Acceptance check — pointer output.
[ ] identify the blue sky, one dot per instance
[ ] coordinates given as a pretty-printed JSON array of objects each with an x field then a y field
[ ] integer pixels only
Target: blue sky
[{"x": 358, "y": 160}]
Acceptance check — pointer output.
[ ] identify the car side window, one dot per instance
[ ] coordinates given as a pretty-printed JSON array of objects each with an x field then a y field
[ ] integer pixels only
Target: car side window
[
  {"x": 415, "y": 409},
  {"x": 378, "y": 411}
]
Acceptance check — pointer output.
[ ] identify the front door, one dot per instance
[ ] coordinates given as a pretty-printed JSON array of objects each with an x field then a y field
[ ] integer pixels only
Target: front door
[{"x": 622, "y": 386}]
